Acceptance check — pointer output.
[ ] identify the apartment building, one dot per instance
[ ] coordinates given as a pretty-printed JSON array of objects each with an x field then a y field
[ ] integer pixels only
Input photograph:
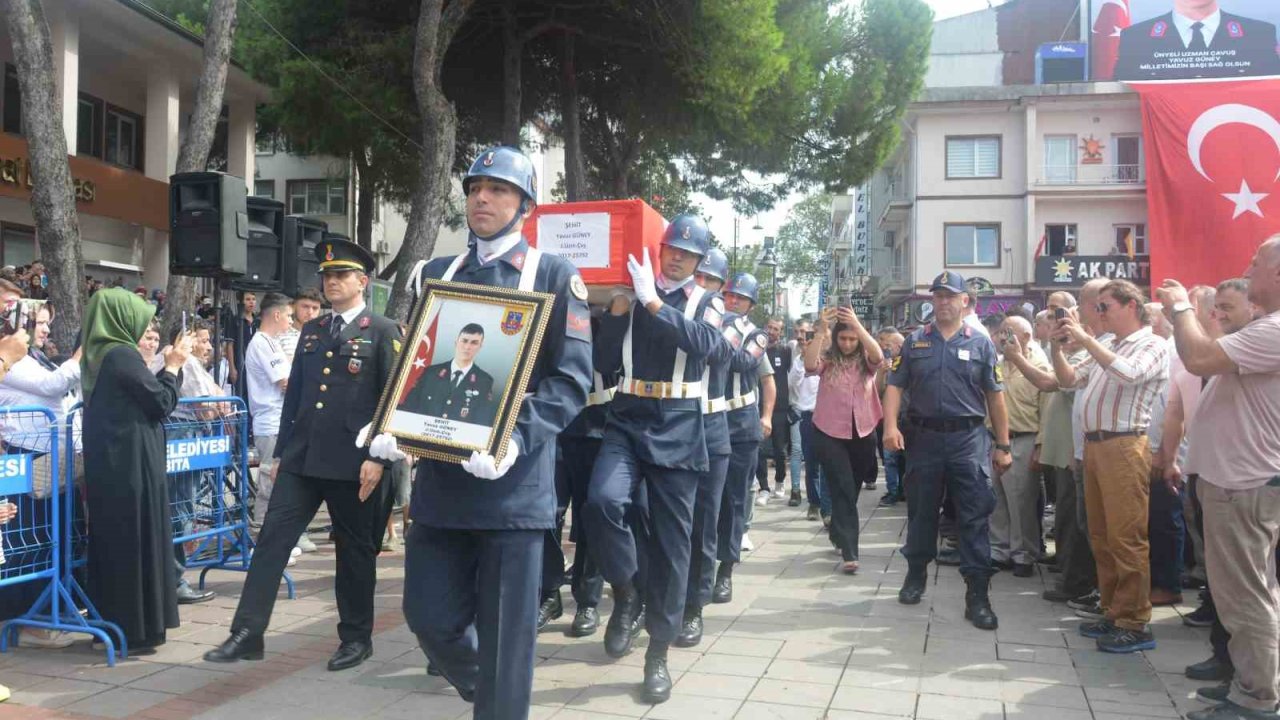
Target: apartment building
[
  {"x": 127, "y": 78},
  {"x": 1009, "y": 182}
]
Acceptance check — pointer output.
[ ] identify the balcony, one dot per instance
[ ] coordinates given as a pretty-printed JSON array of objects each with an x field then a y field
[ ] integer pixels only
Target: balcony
[
  {"x": 1076, "y": 176},
  {"x": 896, "y": 211}
]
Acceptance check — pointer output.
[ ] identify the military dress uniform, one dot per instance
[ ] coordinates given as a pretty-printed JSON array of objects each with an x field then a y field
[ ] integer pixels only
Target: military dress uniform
[
  {"x": 1150, "y": 50},
  {"x": 745, "y": 435},
  {"x": 473, "y": 555},
  {"x": 948, "y": 445},
  {"x": 654, "y": 435},
  {"x": 338, "y": 372},
  {"x": 468, "y": 397}
]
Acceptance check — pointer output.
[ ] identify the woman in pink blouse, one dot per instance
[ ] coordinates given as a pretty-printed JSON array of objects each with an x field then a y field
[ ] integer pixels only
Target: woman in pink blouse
[{"x": 845, "y": 418}]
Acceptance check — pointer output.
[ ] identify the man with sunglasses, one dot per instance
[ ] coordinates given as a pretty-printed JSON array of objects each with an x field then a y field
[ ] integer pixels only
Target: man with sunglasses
[{"x": 1120, "y": 378}]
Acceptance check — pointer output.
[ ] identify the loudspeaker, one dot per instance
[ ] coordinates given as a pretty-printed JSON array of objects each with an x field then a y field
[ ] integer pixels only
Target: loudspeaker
[
  {"x": 265, "y": 271},
  {"x": 208, "y": 225},
  {"x": 302, "y": 234}
]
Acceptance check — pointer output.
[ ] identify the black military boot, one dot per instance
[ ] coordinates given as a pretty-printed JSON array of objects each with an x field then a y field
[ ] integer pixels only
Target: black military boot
[
  {"x": 585, "y": 622},
  {"x": 551, "y": 609},
  {"x": 977, "y": 604},
  {"x": 622, "y": 627},
  {"x": 657, "y": 680},
  {"x": 913, "y": 587},
  {"x": 691, "y": 632},
  {"x": 722, "y": 592}
]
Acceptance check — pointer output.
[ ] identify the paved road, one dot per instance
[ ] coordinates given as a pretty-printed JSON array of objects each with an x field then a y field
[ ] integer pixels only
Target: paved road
[{"x": 800, "y": 642}]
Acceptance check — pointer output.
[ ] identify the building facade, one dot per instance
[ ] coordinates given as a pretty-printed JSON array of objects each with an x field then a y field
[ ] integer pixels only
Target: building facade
[
  {"x": 127, "y": 78},
  {"x": 1007, "y": 184}
]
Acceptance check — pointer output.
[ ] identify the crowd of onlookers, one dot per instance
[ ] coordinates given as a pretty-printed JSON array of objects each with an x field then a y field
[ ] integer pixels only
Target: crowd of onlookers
[{"x": 1146, "y": 445}]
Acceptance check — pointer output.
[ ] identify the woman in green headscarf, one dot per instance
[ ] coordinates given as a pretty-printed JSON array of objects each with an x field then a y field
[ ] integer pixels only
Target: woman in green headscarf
[{"x": 131, "y": 570}]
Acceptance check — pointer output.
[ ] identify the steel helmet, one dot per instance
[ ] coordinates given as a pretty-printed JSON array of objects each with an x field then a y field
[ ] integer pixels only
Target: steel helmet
[
  {"x": 689, "y": 233},
  {"x": 715, "y": 264},
  {"x": 507, "y": 164},
  {"x": 744, "y": 284}
]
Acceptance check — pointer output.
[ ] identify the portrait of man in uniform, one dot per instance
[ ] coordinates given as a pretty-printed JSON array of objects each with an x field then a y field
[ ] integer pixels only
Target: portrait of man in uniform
[
  {"x": 457, "y": 388},
  {"x": 1197, "y": 39}
]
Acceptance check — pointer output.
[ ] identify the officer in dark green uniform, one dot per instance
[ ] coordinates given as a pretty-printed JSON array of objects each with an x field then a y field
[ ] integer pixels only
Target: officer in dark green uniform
[
  {"x": 954, "y": 379},
  {"x": 340, "y": 367}
]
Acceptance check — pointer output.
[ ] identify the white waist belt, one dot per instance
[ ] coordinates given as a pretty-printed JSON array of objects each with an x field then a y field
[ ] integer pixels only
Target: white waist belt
[
  {"x": 601, "y": 397},
  {"x": 661, "y": 390},
  {"x": 714, "y": 405},
  {"x": 742, "y": 401}
]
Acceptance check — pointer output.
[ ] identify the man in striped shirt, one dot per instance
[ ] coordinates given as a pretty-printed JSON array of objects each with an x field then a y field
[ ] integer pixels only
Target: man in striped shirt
[{"x": 1121, "y": 379}]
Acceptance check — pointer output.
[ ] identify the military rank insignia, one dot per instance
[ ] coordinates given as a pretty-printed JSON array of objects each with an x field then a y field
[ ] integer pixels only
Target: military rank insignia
[
  {"x": 577, "y": 288},
  {"x": 999, "y": 374},
  {"x": 897, "y": 363},
  {"x": 1159, "y": 29},
  {"x": 395, "y": 345}
]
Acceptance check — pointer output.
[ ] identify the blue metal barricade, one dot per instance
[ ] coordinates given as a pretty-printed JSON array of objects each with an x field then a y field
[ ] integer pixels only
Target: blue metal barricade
[
  {"x": 37, "y": 481},
  {"x": 209, "y": 484}
]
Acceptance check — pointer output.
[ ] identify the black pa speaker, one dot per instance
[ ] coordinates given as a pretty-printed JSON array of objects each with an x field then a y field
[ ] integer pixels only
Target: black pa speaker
[
  {"x": 302, "y": 234},
  {"x": 265, "y": 265},
  {"x": 208, "y": 225}
]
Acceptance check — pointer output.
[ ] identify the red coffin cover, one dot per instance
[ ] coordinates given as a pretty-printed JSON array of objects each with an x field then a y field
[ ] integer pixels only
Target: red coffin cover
[{"x": 632, "y": 225}]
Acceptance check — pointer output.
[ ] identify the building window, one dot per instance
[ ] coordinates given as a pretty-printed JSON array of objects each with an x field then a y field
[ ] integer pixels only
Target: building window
[
  {"x": 973, "y": 157},
  {"x": 1060, "y": 159},
  {"x": 264, "y": 188},
  {"x": 318, "y": 197},
  {"x": 12, "y": 101},
  {"x": 123, "y": 133},
  {"x": 1127, "y": 150},
  {"x": 1131, "y": 239},
  {"x": 973, "y": 245},
  {"x": 17, "y": 244},
  {"x": 89, "y": 118},
  {"x": 1060, "y": 239},
  {"x": 890, "y": 237}
]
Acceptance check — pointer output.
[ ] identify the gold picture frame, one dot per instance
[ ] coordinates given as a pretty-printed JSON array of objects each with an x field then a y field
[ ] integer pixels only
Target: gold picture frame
[{"x": 463, "y": 368}]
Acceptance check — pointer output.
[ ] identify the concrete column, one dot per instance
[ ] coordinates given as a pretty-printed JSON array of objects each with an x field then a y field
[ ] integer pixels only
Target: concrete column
[
  {"x": 64, "y": 34},
  {"x": 163, "y": 118},
  {"x": 155, "y": 258},
  {"x": 1023, "y": 259},
  {"x": 240, "y": 140}
]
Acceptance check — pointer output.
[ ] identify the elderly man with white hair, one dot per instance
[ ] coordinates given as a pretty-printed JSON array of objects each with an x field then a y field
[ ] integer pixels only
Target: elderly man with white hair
[{"x": 1015, "y": 524}]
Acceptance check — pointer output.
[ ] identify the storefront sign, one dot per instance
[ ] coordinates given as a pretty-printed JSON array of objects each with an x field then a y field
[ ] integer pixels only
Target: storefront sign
[
  {"x": 17, "y": 172},
  {"x": 580, "y": 238},
  {"x": 863, "y": 305},
  {"x": 1073, "y": 271}
]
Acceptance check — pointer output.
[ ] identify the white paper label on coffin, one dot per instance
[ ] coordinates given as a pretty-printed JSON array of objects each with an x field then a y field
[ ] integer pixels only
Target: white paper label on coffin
[{"x": 580, "y": 238}]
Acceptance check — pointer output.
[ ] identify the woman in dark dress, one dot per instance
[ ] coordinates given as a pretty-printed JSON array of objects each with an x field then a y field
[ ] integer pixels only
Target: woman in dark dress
[{"x": 130, "y": 568}]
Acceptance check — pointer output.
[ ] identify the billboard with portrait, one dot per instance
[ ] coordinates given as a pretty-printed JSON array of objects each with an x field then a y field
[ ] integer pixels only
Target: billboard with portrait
[{"x": 1183, "y": 39}]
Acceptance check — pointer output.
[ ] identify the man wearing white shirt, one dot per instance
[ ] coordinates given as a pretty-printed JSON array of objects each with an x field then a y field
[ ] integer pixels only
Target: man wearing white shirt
[{"x": 804, "y": 397}]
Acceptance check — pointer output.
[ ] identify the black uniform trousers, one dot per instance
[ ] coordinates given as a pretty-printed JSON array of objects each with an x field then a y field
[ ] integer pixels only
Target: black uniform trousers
[
  {"x": 552, "y": 542},
  {"x": 577, "y": 461},
  {"x": 706, "y": 531},
  {"x": 294, "y": 501},
  {"x": 480, "y": 641},
  {"x": 670, "y": 494},
  {"x": 733, "y": 505},
  {"x": 957, "y": 462}
]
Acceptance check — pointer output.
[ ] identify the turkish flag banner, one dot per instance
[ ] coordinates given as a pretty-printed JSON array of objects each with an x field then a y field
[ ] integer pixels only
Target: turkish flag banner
[
  {"x": 1213, "y": 159},
  {"x": 1112, "y": 18}
]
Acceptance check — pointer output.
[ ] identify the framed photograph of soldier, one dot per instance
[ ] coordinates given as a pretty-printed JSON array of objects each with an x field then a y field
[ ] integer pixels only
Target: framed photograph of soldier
[
  {"x": 462, "y": 371},
  {"x": 1183, "y": 39}
]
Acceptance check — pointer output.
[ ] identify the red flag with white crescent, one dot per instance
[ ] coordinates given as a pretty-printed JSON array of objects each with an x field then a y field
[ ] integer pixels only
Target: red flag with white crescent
[
  {"x": 1113, "y": 16},
  {"x": 422, "y": 357},
  {"x": 1213, "y": 160}
]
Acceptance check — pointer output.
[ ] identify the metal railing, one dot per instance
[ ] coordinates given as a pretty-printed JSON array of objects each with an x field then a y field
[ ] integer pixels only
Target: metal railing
[{"x": 1092, "y": 175}]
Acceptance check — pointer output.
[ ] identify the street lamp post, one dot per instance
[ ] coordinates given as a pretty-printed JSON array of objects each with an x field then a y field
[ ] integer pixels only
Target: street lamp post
[{"x": 769, "y": 259}]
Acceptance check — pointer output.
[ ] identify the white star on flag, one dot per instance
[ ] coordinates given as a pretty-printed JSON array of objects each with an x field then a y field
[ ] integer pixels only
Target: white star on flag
[
  {"x": 1246, "y": 200},
  {"x": 418, "y": 364},
  {"x": 1116, "y": 32}
]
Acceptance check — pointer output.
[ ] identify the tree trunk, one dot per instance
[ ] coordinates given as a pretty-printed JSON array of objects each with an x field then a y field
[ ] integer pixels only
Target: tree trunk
[
  {"x": 437, "y": 25},
  {"x": 52, "y": 195},
  {"x": 180, "y": 294},
  {"x": 366, "y": 200},
  {"x": 575, "y": 173},
  {"x": 512, "y": 49}
]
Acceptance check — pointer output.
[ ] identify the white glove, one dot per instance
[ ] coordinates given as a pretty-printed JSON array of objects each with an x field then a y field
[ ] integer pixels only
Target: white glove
[
  {"x": 483, "y": 466},
  {"x": 642, "y": 278},
  {"x": 383, "y": 447}
]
